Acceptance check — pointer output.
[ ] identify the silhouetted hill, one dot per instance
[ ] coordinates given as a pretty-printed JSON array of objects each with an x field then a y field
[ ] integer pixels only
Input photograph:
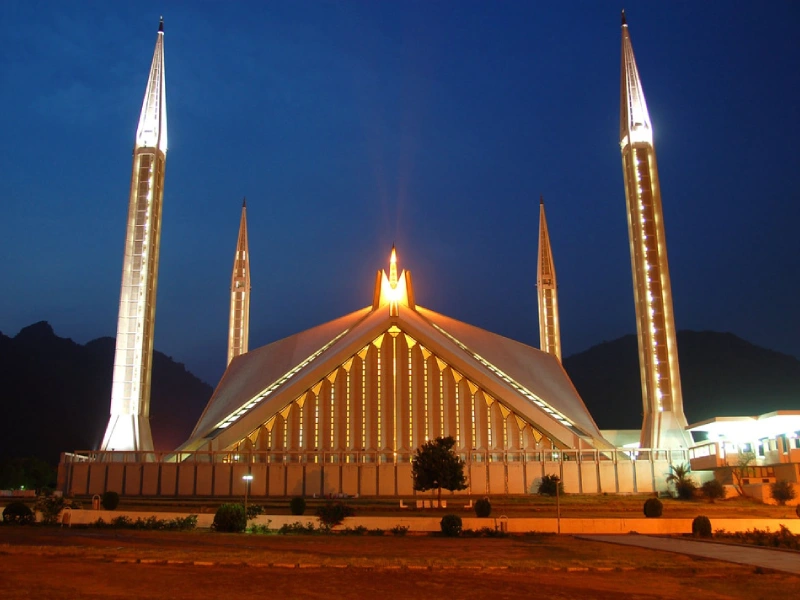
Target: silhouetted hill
[
  {"x": 721, "y": 375},
  {"x": 55, "y": 395}
]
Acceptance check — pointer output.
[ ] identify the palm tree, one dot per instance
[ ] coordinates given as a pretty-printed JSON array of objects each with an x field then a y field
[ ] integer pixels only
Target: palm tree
[{"x": 685, "y": 486}]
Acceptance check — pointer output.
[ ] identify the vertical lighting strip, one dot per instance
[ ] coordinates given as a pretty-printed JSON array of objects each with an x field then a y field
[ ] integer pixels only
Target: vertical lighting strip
[
  {"x": 364, "y": 401},
  {"x": 286, "y": 431},
  {"x": 425, "y": 396},
  {"x": 395, "y": 420},
  {"x": 333, "y": 420},
  {"x": 379, "y": 445},
  {"x": 458, "y": 416},
  {"x": 300, "y": 420},
  {"x": 489, "y": 436},
  {"x": 347, "y": 409},
  {"x": 441, "y": 402},
  {"x": 410, "y": 404}
]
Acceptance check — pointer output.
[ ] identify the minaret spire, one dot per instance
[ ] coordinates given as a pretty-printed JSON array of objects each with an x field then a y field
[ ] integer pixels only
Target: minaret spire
[
  {"x": 129, "y": 424},
  {"x": 239, "y": 322},
  {"x": 549, "y": 327},
  {"x": 664, "y": 423}
]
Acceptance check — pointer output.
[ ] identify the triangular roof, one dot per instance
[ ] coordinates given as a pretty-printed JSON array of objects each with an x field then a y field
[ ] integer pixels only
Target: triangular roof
[{"x": 261, "y": 383}]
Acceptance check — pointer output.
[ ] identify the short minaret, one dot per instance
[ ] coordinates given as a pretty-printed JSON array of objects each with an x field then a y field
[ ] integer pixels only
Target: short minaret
[
  {"x": 664, "y": 424},
  {"x": 239, "y": 323},
  {"x": 129, "y": 425},
  {"x": 549, "y": 327}
]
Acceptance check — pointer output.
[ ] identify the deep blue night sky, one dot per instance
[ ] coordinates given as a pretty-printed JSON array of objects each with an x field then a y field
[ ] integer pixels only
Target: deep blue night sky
[{"x": 434, "y": 125}]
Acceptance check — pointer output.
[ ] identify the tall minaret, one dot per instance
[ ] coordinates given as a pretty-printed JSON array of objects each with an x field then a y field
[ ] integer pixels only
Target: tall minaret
[
  {"x": 664, "y": 423},
  {"x": 129, "y": 425},
  {"x": 549, "y": 327},
  {"x": 239, "y": 323}
]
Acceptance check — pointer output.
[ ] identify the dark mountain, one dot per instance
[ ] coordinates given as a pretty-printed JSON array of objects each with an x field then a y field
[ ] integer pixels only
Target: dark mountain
[
  {"x": 721, "y": 375},
  {"x": 55, "y": 395}
]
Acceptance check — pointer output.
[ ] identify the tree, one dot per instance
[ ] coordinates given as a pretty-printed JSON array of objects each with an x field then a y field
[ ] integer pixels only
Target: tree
[
  {"x": 782, "y": 491},
  {"x": 436, "y": 466},
  {"x": 685, "y": 486},
  {"x": 713, "y": 489},
  {"x": 741, "y": 470}
]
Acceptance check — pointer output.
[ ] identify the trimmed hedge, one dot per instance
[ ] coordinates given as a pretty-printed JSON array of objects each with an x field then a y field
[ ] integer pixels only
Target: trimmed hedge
[
  {"x": 483, "y": 508},
  {"x": 701, "y": 527},
  {"x": 110, "y": 500},
  {"x": 18, "y": 513},
  {"x": 297, "y": 505},
  {"x": 229, "y": 518},
  {"x": 451, "y": 525},
  {"x": 653, "y": 508}
]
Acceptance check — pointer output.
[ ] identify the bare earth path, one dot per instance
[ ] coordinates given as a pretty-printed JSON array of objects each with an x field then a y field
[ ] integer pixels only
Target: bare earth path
[
  {"x": 746, "y": 555},
  {"x": 39, "y": 562}
]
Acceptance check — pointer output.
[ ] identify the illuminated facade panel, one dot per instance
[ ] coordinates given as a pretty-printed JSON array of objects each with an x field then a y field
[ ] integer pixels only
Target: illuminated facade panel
[
  {"x": 547, "y": 294},
  {"x": 239, "y": 322},
  {"x": 664, "y": 423},
  {"x": 129, "y": 424}
]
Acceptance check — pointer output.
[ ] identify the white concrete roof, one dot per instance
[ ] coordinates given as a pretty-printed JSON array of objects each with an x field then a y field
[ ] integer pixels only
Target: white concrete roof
[{"x": 260, "y": 383}]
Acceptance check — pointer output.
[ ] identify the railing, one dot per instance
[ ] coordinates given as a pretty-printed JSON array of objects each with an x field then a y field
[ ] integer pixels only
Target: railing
[{"x": 380, "y": 457}]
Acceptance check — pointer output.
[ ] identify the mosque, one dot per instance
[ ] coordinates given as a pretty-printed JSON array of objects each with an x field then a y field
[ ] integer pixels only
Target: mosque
[{"x": 340, "y": 408}]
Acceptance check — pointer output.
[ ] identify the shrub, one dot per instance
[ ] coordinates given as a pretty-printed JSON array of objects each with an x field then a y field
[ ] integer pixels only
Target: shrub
[
  {"x": 653, "y": 508},
  {"x": 18, "y": 513},
  {"x": 782, "y": 491},
  {"x": 483, "y": 508},
  {"x": 110, "y": 500},
  {"x": 261, "y": 529},
  {"x": 297, "y": 505},
  {"x": 551, "y": 485},
  {"x": 451, "y": 525},
  {"x": 399, "y": 530},
  {"x": 50, "y": 507},
  {"x": 686, "y": 489},
  {"x": 701, "y": 527},
  {"x": 297, "y": 527},
  {"x": 377, "y": 532},
  {"x": 229, "y": 518},
  {"x": 713, "y": 489},
  {"x": 332, "y": 514},
  {"x": 360, "y": 530},
  {"x": 253, "y": 510}
]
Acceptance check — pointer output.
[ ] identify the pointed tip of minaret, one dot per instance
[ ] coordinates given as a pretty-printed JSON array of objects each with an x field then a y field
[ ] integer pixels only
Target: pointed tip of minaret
[
  {"x": 393, "y": 257},
  {"x": 161, "y": 25},
  {"x": 624, "y": 19},
  {"x": 541, "y": 200},
  {"x": 244, "y": 202}
]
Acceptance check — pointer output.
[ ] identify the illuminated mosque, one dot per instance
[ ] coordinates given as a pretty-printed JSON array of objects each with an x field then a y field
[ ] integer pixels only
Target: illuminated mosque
[{"x": 340, "y": 408}]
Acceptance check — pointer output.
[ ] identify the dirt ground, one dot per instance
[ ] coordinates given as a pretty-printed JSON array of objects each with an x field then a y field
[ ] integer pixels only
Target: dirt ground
[{"x": 39, "y": 562}]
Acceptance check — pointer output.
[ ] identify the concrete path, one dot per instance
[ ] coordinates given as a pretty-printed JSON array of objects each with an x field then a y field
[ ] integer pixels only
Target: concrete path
[{"x": 779, "y": 560}]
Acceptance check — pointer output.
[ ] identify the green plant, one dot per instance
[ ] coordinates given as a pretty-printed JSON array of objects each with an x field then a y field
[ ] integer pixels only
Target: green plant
[
  {"x": 653, "y": 508},
  {"x": 712, "y": 490},
  {"x": 551, "y": 485},
  {"x": 436, "y": 466},
  {"x": 110, "y": 500},
  {"x": 451, "y": 525},
  {"x": 50, "y": 506},
  {"x": 399, "y": 530},
  {"x": 701, "y": 527},
  {"x": 782, "y": 491},
  {"x": 261, "y": 529},
  {"x": 229, "y": 518},
  {"x": 253, "y": 510},
  {"x": 332, "y": 514},
  {"x": 376, "y": 532},
  {"x": 360, "y": 530},
  {"x": 483, "y": 508},
  {"x": 297, "y": 527},
  {"x": 297, "y": 505},
  {"x": 685, "y": 486},
  {"x": 18, "y": 513}
]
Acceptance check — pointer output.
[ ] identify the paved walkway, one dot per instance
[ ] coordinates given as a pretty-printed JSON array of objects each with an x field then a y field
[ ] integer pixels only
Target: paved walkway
[{"x": 779, "y": 560}]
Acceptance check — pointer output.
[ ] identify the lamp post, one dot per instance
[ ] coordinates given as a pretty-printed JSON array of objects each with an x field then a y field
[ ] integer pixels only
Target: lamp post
[{"x": 247, "y": 479}]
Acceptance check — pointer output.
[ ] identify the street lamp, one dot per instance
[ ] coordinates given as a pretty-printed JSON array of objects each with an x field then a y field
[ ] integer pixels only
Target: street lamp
[{"x": 247, "y": 479}]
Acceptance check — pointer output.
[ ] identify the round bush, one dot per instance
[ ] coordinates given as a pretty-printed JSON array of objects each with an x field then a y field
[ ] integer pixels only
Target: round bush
[
  {"x": 701, "y": 527},
  {"x": 229, "y": 518},
  {"x": 297, "y": 505},
  {"x": 713, "y": 489},
  {"x": 483, "y": 508},
  {"x": 653, "y": 508},
  {"x": 332, "y": 514},
  {"x": 451, "y": 525},
  {"x": 551, "y": 485},
  {"x": 110, "y": 500},
  {"x": 18, "y": 513}
]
